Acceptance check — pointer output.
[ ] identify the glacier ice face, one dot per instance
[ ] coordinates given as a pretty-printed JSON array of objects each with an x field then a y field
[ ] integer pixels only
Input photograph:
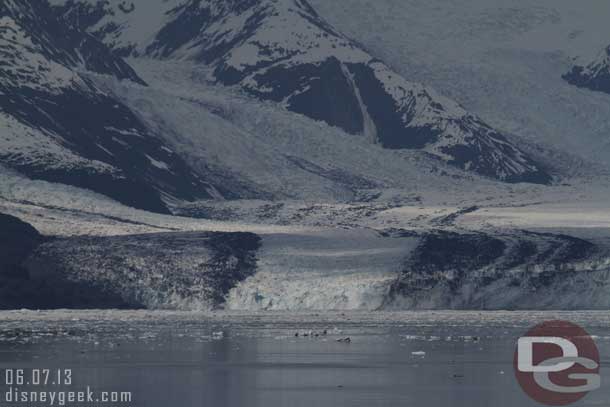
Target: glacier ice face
[{"x": 325, "y": 270}]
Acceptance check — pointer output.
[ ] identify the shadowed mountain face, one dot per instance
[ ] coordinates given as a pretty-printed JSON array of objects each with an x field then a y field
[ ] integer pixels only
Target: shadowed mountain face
[
  {"x": 156, "y": 271},
  {"x": 283, "y": 51},
  {"x": 188, "y": 271},
  {"x": 595, "y": 76},
  {"x": 57, "y": 125},
  {"x": 491, "y": 271}
]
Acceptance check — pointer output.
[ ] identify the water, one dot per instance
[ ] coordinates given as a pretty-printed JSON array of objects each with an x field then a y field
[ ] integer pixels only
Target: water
[{"x": 181, "y": 359}]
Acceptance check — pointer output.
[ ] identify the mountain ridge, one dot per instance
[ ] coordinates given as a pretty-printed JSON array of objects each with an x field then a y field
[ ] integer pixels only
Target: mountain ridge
[
  {"x": 594, "y": 76},
  {"x": 285, "y": 52}
]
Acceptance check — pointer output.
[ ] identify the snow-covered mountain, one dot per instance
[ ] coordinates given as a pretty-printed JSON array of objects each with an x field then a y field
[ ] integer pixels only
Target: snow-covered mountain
[
  {"x": 595, "y": 75},
  {"x": 284, "y": 51},
  {"x": 57, "y": 125},
  {"x": 503, "y": 61}
]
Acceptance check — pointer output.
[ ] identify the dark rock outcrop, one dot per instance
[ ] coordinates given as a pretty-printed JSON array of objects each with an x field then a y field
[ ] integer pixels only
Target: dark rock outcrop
[
  {"x": 17, "y": 241},
  {"x": 519, "y": 269},
  {"x": 188, "y": 271},
  {"x": 595, "y": 76},
  {"x": 157, "y": 271}
]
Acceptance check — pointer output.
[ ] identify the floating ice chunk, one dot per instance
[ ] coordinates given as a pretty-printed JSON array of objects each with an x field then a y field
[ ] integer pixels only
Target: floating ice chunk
[{"x": 414, "y": 337}]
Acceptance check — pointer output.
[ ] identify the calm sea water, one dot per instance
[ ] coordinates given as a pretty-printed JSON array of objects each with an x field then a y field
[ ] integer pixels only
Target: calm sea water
[{"x": 216, "y": 360}]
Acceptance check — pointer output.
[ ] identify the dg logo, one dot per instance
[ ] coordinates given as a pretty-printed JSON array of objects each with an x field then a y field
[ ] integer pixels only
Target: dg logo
[{"x": 557, "y": 363}]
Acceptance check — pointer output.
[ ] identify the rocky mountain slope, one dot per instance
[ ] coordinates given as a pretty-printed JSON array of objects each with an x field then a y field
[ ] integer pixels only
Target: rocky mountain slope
[
  {"x": 515, "y": 269},
  {"x": 188, "y": 271},
  {"x": 285, "y": 52},
  {"x": 502, "y": 61},
  {"x": 57, "y": 125}
]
